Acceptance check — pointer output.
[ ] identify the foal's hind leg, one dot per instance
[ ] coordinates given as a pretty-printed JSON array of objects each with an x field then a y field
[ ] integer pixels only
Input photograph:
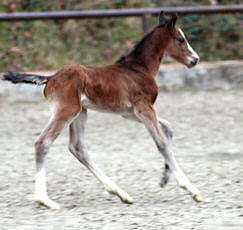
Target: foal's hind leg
[
  {"x": 77, "y": 148},
  {"x": 61, "y": 118}
]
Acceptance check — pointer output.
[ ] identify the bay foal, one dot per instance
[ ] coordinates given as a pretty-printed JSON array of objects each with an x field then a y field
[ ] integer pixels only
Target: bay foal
[{"x": 126, "y": 87}]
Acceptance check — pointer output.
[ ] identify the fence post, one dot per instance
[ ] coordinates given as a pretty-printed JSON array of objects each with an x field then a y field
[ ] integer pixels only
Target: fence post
[{"x": 147, "y": 22}]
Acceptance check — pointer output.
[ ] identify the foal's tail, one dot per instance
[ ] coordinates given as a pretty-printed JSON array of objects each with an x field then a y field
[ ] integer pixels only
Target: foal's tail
[{"x": 25, "y": 78}]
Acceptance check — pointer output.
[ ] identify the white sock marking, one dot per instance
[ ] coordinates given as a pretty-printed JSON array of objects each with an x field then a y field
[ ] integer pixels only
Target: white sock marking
[{"x": 40, "y": 184}]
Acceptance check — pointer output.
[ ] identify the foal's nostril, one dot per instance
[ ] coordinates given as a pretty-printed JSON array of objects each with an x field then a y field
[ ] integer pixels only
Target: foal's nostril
[{"x": 194, "y": 62}]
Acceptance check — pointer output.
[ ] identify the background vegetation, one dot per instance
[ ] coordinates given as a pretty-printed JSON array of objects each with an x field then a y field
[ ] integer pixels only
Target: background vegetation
[{"x": 48, "y": 45}]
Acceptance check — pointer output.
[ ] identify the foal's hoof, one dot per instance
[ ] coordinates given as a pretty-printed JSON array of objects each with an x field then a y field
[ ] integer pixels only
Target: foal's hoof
[
  {"x": 197, "y": 198},
  {"x": 127, "y": 199},
  {"x": 164, "y": 181},
  {"x": 48, "y": 203}
]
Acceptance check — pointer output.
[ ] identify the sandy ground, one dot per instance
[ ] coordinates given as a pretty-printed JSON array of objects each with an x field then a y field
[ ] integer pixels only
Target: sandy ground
[{"x": 208, "y": 145}]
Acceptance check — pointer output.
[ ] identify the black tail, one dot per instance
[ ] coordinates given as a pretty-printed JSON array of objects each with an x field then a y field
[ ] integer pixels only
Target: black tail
[{"x": 25, "y": 78}]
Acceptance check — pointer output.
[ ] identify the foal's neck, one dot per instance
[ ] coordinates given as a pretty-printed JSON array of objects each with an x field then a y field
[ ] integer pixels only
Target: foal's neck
[{"x": 146, "y": 56}]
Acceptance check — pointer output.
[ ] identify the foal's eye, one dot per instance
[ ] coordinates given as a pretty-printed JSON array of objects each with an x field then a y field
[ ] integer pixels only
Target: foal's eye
[{"x": 181, "y": 40}]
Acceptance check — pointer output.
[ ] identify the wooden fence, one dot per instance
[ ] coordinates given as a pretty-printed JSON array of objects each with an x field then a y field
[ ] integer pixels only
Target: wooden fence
[{"x": 145, "y": 13}]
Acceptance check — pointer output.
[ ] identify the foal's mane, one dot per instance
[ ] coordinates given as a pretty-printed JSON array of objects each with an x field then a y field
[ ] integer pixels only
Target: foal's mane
[{"x": 139, "y": 44}]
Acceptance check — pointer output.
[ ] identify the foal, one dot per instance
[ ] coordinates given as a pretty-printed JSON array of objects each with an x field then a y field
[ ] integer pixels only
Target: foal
[{"x": 126, "y": 87}]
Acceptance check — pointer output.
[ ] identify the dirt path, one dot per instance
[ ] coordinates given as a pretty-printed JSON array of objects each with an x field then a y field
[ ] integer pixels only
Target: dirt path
[{"x": 208, "y": 145}]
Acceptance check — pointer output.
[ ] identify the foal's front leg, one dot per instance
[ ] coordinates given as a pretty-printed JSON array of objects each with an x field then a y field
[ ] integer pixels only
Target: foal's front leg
[
  {"x": 77, "y": 148},
  {"x": 165, "y": 126},
  {"x": 147, "y": 115}
]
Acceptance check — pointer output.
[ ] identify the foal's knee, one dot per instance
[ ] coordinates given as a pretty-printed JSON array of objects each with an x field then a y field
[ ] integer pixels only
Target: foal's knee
[
  {"x": 78, "y": 151},
  {"x": 165, "y": 125},
  {"x": 75, "y": 148},
  {"x": 72, "y": 148}
]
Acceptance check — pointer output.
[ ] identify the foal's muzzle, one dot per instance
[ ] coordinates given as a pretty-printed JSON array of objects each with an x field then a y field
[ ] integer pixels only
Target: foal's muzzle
[{"x": 193, "y": 62}]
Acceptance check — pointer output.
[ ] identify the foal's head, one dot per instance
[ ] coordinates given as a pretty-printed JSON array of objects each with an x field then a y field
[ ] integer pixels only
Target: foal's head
[{"x": 178, "y": 47}]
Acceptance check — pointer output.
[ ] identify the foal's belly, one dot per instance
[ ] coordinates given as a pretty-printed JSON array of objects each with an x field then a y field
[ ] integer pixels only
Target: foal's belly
[{"x": 126, "y": 110}]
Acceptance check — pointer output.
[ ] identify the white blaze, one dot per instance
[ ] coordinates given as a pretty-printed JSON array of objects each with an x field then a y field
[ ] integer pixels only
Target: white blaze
[{"x": 193, "y": 53}]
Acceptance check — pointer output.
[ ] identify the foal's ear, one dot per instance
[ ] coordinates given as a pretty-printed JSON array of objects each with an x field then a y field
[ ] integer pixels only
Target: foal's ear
[
  {"x": 172, "y": 22},
  {"x": 162, "y": 19}
]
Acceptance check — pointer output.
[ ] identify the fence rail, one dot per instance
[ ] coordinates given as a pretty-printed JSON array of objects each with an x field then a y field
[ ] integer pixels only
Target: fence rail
[{"x": 54, "y": 15}]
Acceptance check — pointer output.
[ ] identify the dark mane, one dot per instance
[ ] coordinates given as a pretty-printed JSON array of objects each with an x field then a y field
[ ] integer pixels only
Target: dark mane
[{"x": 138, "y": 45}]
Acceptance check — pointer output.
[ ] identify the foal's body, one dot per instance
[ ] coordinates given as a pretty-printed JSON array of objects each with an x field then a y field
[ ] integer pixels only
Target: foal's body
[
  {"x": 111, "y": 88},
  {"x": 126, "y": 87}
]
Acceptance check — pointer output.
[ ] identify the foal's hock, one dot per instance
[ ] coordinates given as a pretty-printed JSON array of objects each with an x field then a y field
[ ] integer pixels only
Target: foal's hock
[{"x": 126, "y": 87}]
